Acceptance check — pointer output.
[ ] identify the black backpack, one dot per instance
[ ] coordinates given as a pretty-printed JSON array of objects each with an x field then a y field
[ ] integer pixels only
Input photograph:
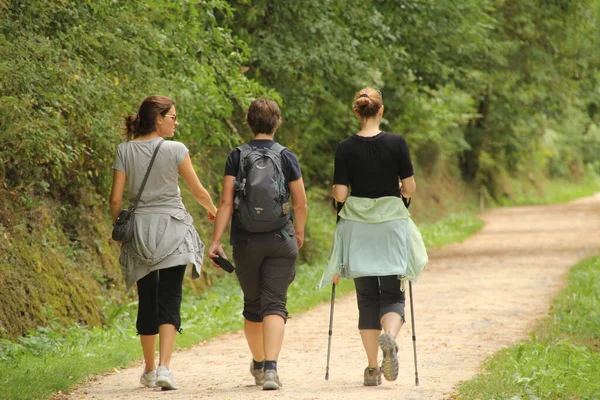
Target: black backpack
[{"x": 261, "y": 199}]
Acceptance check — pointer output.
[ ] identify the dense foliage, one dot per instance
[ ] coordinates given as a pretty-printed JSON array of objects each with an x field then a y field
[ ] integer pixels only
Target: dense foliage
[{"x": 493, "y": 89}]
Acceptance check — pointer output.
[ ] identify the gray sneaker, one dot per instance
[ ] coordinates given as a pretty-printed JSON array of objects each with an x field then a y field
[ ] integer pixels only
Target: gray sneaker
[
  {"x": 272, "y": 381},
  {"x": 258, "y": 374},
  {"x": 389, "y": 365},
  {"x": 372, "y": 377},
  {"x": 148, "y": 379},
  {"x": 164, "y": 378}
]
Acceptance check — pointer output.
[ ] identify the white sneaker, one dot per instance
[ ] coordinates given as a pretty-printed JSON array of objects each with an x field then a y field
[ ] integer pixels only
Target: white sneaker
[
  {"x": 148, "y": 379},
  {"x": 164, "y": 378}
]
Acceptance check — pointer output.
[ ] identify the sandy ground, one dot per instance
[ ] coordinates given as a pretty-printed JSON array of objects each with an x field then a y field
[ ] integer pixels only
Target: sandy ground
[{"x": 473, "y": 299}]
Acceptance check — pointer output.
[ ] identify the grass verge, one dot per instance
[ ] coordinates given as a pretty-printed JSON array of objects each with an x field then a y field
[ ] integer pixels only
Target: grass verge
[{"x": 562, "y": 358}]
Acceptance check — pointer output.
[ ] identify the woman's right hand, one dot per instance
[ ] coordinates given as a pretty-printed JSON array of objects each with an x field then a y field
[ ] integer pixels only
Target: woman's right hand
[{"x": 215, "y": 249}]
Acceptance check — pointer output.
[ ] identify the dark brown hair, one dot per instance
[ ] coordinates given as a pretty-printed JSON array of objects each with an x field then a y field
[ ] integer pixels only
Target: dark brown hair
[
  {"x": 264, "y": 116},
  {"x": 367, "y": 102},
  {"x": 144, "y": 121}
]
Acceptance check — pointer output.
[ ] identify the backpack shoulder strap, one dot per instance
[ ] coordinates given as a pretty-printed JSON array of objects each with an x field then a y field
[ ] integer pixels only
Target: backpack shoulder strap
[
  {"x": 244, "y": 149},
  {"x": 277, "y": 148}
]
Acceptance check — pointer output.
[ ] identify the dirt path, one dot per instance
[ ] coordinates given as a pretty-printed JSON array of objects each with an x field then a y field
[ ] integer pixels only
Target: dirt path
[{"x": 474, "y": 298}]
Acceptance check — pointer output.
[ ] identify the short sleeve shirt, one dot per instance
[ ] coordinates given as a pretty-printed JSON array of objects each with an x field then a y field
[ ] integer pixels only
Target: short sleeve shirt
[
  {"x": 289, "y": 165},
  {"x": 162, "y": 188},
  {"x": 371, "y": 166}
]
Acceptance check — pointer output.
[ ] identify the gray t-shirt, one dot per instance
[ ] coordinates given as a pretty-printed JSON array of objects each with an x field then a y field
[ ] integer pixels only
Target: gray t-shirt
[{"x": 162, "y": 189}]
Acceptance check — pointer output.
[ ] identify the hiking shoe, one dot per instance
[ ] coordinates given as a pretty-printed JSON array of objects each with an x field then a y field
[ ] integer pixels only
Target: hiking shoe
[
  {"x": 148, "y": 379},
  {"x": 389, "y": 365},
  {"x": 258, "y": 374},
  {"x": 272, "y": 381},
  {"x": 372, "y": 377},
  {"x": 164, "y": 378}
]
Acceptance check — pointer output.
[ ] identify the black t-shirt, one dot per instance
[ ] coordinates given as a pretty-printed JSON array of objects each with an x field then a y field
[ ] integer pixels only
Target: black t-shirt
[
  {"x": 289, "y": 165},
  {"x": 371, "y": 166}
]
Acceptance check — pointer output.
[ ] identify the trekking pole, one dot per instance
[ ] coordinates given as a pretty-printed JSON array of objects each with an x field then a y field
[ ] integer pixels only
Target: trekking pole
[
  {"x": 330, "y": 330},
  {"x": 414, "y": 335},
  {"x": 338, "y": 206}
]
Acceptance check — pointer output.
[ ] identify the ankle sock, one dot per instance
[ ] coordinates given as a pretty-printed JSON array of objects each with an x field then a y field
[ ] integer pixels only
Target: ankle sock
[
  {"x": 258, "y": 365},
  {"x": 270, "y": 364}
]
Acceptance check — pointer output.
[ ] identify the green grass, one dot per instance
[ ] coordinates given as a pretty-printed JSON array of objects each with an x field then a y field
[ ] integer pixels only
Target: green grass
[
  {"x": 562, "y": 358},
  {"x": 555, "y": 191},
  {"x": 57, "y": 358},
  {"x": 451, "y": 229}
]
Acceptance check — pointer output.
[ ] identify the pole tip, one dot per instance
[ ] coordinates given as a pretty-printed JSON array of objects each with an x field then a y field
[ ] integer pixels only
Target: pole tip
[{"x": 326, "y": 376}]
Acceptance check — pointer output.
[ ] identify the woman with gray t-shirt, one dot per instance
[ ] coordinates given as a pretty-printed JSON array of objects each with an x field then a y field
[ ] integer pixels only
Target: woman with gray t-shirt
[{"x": 165, "y": 240}]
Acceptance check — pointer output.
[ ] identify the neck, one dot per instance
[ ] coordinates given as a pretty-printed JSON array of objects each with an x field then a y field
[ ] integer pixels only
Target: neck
[
  {"x": 148, "y": 136},
  {"x": 263, "y": 136},
  {"x": 369, "y": 127}
]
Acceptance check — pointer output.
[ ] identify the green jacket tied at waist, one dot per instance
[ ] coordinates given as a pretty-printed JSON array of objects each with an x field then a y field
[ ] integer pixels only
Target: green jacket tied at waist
[{"x": 375, "y": 237}]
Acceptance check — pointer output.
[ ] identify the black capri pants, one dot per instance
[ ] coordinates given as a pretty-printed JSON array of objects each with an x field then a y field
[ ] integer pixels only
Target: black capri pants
[
  {"x": 377, "y": 296},
  {"x": 265, "y": 267},
  {"x": 159, "y": 294}
]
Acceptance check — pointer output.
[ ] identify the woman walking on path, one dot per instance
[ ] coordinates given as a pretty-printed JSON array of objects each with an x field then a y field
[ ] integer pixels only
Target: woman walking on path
[
  {"x": 164, "y": 239},
  {"x": 374, "y": 221},
  {"x": 265, "y": 248}
]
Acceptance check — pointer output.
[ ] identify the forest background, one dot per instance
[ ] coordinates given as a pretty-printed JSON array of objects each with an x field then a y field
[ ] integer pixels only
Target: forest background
[{"x": 495, "y": 97}]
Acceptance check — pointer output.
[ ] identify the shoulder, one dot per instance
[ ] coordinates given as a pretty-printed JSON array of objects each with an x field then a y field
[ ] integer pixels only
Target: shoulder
[
  {"x": 394, "y": 137},
  {"x": 174, "y": 145}
]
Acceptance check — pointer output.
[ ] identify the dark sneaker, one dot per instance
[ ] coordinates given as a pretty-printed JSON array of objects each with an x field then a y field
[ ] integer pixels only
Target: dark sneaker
[
  {"x": 272, "y": 381},
  {"x": 372, "y": 377},
  {"x": 389, "y": 365},
  {"x": 258, "y": 374}
]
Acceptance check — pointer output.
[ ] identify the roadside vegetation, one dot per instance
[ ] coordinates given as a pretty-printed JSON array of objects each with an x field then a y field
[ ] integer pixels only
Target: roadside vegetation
[{"x": 561, "y": 360}]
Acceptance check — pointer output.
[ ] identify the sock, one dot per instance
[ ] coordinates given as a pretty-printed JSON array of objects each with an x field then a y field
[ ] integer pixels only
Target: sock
[
  {"x": 270, "y": 364},
  {"x": 258, "y": 364}
]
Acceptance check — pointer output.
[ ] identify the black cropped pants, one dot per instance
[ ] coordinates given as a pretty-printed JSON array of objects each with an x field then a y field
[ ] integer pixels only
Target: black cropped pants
[
  {"x": 159, "y": 294},
  {"x": 377, "y": 296}
]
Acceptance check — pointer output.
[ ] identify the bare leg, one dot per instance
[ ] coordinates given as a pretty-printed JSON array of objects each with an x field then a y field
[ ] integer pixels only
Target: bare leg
[
  {"x": 369, "y": 340},
  {"x": 391, "y": 323},
  {"x": 167, "y": 334},
  {"x": 148, "y": 348},
  {"x": 254, "y": 337},
  {"x": 273, "y": 330}
]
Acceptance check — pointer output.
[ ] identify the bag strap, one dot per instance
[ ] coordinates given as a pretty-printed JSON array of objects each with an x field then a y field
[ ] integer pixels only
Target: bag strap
[
  {"x": 139, "y": 195},
  {"x": 277, "y": 148}
]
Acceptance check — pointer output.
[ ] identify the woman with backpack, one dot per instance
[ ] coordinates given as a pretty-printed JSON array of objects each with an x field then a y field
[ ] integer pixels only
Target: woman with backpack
[
  {"x": 260, "y": 177},
  {"x": 375, "y": 168},
  {"x": 164, "y": 239}
]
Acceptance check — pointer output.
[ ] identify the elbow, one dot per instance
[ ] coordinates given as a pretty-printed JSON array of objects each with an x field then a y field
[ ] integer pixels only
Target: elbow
[{"x": 302, "y": 208}]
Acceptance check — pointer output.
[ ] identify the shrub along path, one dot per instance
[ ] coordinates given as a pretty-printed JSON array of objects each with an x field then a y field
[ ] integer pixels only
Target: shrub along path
[{"x": 474, "y": 298}]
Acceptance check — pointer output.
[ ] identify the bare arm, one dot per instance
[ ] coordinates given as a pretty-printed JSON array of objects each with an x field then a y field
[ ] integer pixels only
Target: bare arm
[
  {"x": 298, "y": 194},
  {"x": 340, "y": 193},
  {"x": 186, "y": 170},
  {"x": 225, "y": 211},
  {"x": 408, "y": 186},
  {"x": 116, "y": 193}
]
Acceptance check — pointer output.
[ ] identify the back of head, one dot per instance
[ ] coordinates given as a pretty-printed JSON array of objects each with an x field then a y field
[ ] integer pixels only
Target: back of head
[
  {"x": 144, "y": 121},
  {"x": 264, "y": 116},
  {"x": 367, "y": 102}
]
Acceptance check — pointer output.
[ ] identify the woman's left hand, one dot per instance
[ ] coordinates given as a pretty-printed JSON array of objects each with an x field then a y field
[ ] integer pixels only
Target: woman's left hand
[{"x": 212, "y": 217}]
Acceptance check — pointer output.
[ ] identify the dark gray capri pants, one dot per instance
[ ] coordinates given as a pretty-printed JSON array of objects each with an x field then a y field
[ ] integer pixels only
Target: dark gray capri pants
[
  {"x": 265, "y": 264},
  {"x": 377, "y": 296}
]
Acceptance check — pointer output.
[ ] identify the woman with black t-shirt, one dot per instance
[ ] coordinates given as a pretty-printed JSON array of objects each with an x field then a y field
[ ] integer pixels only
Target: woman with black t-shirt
[{"x": 375, "y": 167}]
